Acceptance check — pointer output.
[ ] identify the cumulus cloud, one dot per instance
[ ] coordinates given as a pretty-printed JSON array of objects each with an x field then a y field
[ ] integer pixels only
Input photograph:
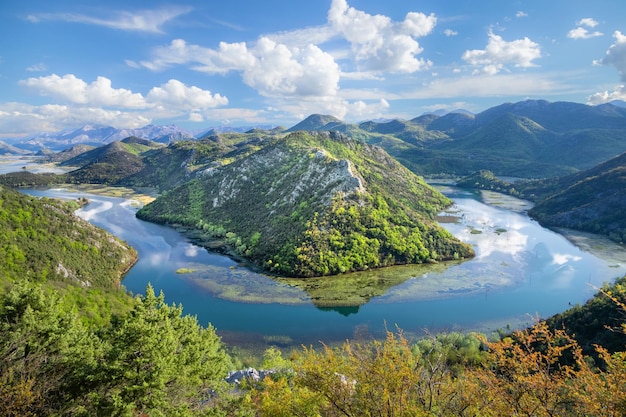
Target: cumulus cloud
[
  {"x": 173, "y": 94},
  {"x": 499, "y": 53},
  {"x": 271, "y": 68},
  {"x": 379, "y": 44},
  {"x": 295, "y": 69},
  {"x": 607, "y": 96},
  {"x": 85, "y": 102},
  {"x": 176, "y": 94},
  {"x": 521, "y": 14},
  {"x": 615, "y": 57},
  {"x": 74, "y": 90},
  {"x": 142, "y": 21},
  {"x": 450, "y": 32},
  {"x": 587, "y": 21},
  {"x": 21, "y": 118},
  {"x": 581, "y": 32}
]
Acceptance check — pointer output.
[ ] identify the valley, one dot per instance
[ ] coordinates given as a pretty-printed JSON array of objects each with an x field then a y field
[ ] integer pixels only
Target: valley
[
  {"x": 316, "y": 235},
  {"x": 520, "y": 270}
]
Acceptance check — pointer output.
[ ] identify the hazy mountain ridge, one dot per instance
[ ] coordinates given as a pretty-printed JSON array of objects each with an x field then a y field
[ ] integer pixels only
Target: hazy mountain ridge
[
  {"x": 532, "y": 138},
  {"x": 96, "y": 135}
]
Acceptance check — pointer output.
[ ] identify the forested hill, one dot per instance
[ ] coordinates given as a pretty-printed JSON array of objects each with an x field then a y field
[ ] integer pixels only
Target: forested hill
[
  {"x": 594, "y": 201},
  {"x": 41, "y": 240},
  {"x": 315, "y": 204}
]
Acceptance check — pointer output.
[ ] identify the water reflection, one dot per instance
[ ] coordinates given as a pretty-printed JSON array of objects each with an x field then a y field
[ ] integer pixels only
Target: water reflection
[{"x": 520, "y": 270}]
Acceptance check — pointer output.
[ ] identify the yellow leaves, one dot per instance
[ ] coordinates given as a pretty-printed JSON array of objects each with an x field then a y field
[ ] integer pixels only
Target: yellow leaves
[{"x": 538, "y": 372}]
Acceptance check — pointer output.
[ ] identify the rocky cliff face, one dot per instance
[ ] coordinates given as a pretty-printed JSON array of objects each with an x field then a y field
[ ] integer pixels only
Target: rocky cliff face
[{"x": 314, "y": 174}]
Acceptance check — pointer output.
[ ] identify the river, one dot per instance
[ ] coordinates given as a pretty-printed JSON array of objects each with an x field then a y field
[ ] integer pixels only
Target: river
[{"x": 521, "y": 271}]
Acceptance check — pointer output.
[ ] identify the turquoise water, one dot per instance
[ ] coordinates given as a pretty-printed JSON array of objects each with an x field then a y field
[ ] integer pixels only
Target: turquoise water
[{"x": 521, "y": 271}]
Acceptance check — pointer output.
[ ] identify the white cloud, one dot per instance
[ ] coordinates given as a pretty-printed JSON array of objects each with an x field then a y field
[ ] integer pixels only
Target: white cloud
[
  {"x": 21, "y": 118},
  {"x": 300, "y": 38},
  {"x": 294, "y": 70},
  {"x": 171, "y": 95},
  {"x": 144, "y": 21},
  {"x": 271, "y": 68},
  {"x": 582, "y": 33},
  {"x": 498, "y": 53},
  {"x": 485, "y": 85},
  {"x": 450, "y": 32},
  {"x": 176, "y": 94},
  {"x": 615, "y": 57},
  {"x": 378, "y": 44},
  {"x": 607, "y": 96},
  {"x": 587, "y": 21},
  {"x": 37, "y": 68},
  {"x": 521, "y": 14},
  {"x": 564, "y": 258},
  {"x": 98, "y": 101},
  {"x": 74, "y": 90},
  {"x": 280, "y": 71}
]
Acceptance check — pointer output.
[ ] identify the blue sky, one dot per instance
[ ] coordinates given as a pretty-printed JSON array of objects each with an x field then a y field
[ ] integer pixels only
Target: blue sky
[{"x": 201, "y": 63}]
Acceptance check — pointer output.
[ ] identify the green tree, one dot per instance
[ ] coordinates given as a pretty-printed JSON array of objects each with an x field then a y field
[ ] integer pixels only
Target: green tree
[
  {"x": 158, "y": 362},
  {"x": 44, "y": 352}
]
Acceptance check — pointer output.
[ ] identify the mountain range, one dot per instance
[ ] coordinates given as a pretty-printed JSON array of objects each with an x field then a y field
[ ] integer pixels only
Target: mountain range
[
  {"x": 96, "y": 135},
  {"x": 532, "y": 138},
  {"x": 569, "y": 145}
]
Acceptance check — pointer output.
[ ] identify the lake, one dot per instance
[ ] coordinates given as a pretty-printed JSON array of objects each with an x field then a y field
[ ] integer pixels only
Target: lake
[{"x": 521, "y": 271}]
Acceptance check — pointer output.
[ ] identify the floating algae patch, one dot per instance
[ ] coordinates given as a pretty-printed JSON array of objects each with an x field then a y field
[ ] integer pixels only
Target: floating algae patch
[
  {"x": 460, "y": 279},
  {"x": 185, "y": 270},
  {"x": 357, "y": 288},
  {"x": 601, "y": 246},
  {"x": 347, "y": 290},
  {"x": 137, "y": 197},
  {"x": 494, "y": 198},
  {"x": 243, "y": 285}
]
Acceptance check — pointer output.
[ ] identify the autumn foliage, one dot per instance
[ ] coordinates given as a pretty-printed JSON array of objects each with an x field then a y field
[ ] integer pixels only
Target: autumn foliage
[{"x": 537, "y": 372}]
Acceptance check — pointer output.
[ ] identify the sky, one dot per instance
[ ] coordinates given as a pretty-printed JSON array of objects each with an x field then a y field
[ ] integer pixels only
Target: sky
[{"x": 207, "y": 63}]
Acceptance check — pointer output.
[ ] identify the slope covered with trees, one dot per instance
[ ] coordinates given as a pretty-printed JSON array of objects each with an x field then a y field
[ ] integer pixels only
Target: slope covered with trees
[
  {"x": 149, "y": 360},
  {"x": 152, "y": 360},
  {"x": 593, "y": 201},
  {"x": 315, "y": 204},
  {"x": 43, "y": 240},
  {"x": 530, "y": 139}
]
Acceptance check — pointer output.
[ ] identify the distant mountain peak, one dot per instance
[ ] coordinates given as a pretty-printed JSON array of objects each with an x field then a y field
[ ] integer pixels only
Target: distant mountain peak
[{"x": 316, "y": 122}]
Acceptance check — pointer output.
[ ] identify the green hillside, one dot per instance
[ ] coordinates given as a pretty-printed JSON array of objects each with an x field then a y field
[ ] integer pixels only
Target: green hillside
[
  {"x": 179, "y": 162},
  {"x": 136, "y": 162},
  {"x": 43, "y": 240},
  {"x": 593, "y": 201},
  {"x": 529, "y": 139},
  {"x": 315, "y": 204}
]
